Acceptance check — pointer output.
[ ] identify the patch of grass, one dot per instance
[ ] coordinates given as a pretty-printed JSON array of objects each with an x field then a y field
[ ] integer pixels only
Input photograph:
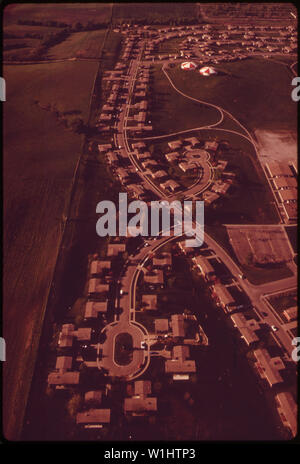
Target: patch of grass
[
  {"x": 39, "y": 161},
  {"x": 85, "y": 44},
  {"x": 123, "y": 348},
  {"x": 149, "y": 13},
  {"x": 69, "y": 13},
  {"x": 171, "y": 112},
  {"x": 256, "y": 92},
  {"x": 258, "y": 276}
]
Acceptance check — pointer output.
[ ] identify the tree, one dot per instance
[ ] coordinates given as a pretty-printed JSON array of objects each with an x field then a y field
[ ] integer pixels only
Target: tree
[{"x": 74, "y": 404}]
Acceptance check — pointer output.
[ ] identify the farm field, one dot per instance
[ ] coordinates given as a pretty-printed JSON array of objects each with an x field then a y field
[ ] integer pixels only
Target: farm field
[
  {"x": 248, "y": 91},
  {"x": 29, "y": 36},
  {"x": 85, "y": 44},
  {"x": 67, "y": 13},
  {"x": 39, "y": 161},
  {"x": 162, "y": 12}
]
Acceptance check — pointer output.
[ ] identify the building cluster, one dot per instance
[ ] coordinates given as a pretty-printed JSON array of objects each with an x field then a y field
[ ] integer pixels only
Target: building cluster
[
  {"x": 116, "y": 92},
  {"x": 179, "y": 330},
  {"x": 282, "y": 177},
  {"x": 270, "y": 369},
  {"x": 219, "y": 43},
  {"x": 77, "y": 346}
]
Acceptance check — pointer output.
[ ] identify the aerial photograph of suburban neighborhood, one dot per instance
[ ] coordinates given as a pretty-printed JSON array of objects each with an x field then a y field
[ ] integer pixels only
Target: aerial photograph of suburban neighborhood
[{"x": 144, "y": 333}]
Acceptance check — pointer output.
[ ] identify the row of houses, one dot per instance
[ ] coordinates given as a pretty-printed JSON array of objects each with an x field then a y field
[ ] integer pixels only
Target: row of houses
[
  {"x": 270, "y": 369},
  {"x": 283, "y": 181},
  {"x": 253, "y": 40}
]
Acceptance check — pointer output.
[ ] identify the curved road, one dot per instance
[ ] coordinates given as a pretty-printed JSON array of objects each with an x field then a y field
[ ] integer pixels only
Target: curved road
[{"x": 125, "y": 321}]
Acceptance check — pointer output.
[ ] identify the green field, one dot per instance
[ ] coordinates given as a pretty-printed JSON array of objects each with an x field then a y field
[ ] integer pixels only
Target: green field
[
  {"x": 40, "y": 155},
  {"x": 256, "y": 92},
  {"x": 69, "y": 13},
  {"x": 85, "y": 44},
  {"x": 151, "y": 13},
  {"x": 171, "y": 112}
]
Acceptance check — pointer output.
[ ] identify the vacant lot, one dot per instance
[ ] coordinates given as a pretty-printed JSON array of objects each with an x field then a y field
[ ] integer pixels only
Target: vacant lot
[
  {"x": 40, "y": 155},
  {"x": 256, "y": 92}
]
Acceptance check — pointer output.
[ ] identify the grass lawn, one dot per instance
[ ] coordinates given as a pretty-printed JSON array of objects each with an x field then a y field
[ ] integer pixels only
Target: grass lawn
[
  {"x": 171, "y": 112},
  {"x": 256, "y": 92},
  {"x": 170, "y": 46},
  {"x": 39, "y": 161},
  {"x": 80, "y": 44},
  {"x": 123, "y": 349}
]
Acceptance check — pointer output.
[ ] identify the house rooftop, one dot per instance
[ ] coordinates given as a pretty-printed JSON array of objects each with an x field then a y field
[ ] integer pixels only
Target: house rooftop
[
  {"x": 177, "y": 324},
  {"x": 149, "y": 302},
  {"x": 113, "y": 249},
  {"x": 156, "y": 276},
  {"x": 64, "y": 378},
  {"x": 268, "y": 367},
  {"x": 92, "y": 308},
  {"x": 94, "y": 395},
  {"x": 161, "y": 325},
  {"x": 93, "y": 416}
]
